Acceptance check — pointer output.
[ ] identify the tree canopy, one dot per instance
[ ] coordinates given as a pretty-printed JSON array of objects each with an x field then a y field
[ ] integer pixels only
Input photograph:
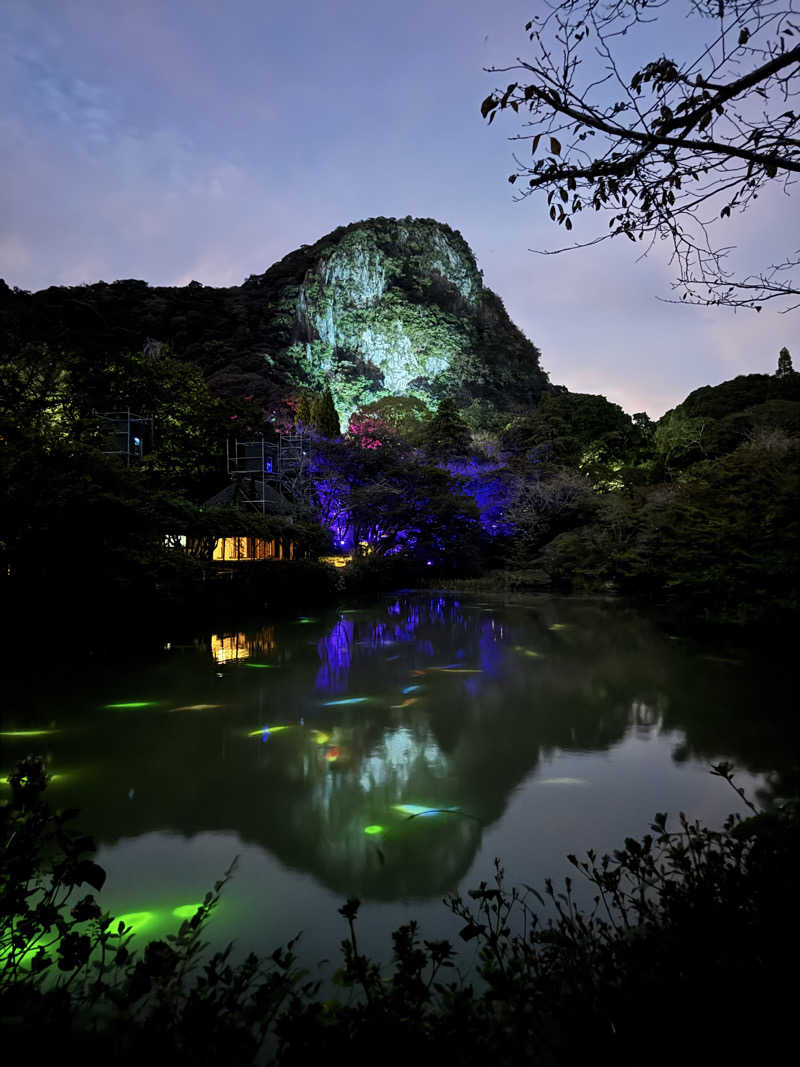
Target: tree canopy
[{"x": 666, "y": 149}]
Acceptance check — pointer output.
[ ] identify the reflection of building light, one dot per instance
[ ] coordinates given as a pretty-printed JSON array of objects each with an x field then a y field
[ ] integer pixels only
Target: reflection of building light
[
  {"x": 373, "y": 829},
  {"x": 229, "y": 647}
]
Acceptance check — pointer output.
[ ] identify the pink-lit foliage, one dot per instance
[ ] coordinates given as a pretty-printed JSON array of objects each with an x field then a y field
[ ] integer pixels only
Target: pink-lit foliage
[{"x": 370, "y": 431}]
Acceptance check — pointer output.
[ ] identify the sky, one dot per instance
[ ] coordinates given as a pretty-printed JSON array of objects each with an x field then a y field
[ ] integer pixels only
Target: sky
[{"x": 172, "y": 140}]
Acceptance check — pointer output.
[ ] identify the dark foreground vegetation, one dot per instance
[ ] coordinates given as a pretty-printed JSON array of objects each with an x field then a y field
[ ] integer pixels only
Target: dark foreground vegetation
[{"x": 688, "y": 954}]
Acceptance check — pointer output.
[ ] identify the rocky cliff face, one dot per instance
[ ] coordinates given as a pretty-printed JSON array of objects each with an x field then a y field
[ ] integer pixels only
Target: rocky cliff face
[
  {"x": 383, "y": 306},
  {"x": 398, "y": 306}
]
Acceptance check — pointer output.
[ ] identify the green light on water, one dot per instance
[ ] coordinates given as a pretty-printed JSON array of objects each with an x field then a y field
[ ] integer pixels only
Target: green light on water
[
  {"x": 373, "y": 829},
  {"x": 304, "y": 618},
  {"x": 559, "y": 626},
  {"x": 268, "y": 730},
  {"x": 418, "y": 809},
  {"x": 135, "y": 919},
  {"x": 186, "y": 911},
  {"x": 133, "y": 704},
  {"x": 26, "y": 733},
  {"x": 350, "y": 700},
  {"x": 262, "y": 666}
]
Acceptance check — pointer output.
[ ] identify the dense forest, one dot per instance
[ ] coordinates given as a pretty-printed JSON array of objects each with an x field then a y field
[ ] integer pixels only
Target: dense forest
[{"x": 695, "y": 514}]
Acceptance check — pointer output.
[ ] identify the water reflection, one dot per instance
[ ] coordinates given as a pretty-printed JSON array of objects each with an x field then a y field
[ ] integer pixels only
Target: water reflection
[
  {"x": 228, "y": 647},
  {"x": 392, "y": 738}
]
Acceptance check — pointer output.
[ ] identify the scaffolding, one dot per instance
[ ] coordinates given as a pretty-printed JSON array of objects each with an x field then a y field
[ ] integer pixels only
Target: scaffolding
[
  {"x": 125, "y": 434},
  {"x": 271, "y": 475}
]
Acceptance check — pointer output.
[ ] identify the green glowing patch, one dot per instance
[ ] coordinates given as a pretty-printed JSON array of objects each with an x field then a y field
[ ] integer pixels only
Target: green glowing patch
[
  {"x": 373, "y": 829},
  {"x": 134, "y": 704},
  {"x": 135, "y": 919},
  {"x": 26, "y": 733},
  {"x": 559, "y": 626},
  {"x": 303, "y": 619},
  {"x": 261, "y": 666},
  {"x": 186, "y": 911},
  {"x": 417, "y": 809},
  {"x": 320, "y": 737},
  {"x": 349, "y": 700},
  {"x": 562, "y": 781},
  {"x": 268, "y": 730}
]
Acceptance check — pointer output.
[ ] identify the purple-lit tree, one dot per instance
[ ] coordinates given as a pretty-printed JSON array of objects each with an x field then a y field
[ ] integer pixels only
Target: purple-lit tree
[{"x": 384, "y": 501}]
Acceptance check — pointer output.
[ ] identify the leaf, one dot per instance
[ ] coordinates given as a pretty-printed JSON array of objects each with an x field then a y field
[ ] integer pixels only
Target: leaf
[
  {"x": 92, "y": 873},
  {"x": 744, "y": 36},
  {"x": 562, "y": 192},
  {"x": 469, "y": 931},
  {"x": 535, "y": 144},
  {"x": 487, "y": 105},
  {"x": 507, "y": 94},
  {"x": 512, "y": 178},
  {"x": 555, "y": 146}
]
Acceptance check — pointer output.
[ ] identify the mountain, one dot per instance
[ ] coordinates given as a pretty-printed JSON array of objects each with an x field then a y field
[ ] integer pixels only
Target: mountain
[{"x": 382, "y": 306}]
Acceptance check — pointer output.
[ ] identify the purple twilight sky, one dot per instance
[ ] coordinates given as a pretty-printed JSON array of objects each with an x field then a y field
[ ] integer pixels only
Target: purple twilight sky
[{"x": 169, "y": 140}]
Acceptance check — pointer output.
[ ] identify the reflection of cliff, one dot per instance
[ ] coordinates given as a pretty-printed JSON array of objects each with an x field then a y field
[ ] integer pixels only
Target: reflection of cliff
[{"x": 424, "y": 701}]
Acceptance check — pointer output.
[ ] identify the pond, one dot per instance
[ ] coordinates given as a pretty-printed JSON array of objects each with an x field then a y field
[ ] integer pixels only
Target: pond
[{"x": 389, "y": 752}]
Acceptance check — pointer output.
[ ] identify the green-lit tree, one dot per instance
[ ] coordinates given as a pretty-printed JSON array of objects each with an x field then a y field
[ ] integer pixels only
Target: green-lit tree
[
  {"x": 784, "y": 363},
  {"x": 324, "y": 417},
  {"x": 303, "y": 410}
]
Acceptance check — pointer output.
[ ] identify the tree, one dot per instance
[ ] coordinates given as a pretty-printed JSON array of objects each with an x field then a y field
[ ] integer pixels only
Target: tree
[
  {"x": 324, "y": 417},
  {"x": 303, "y": 410},
  {"x": 447, "y": 434},
  {"x": 670, "y": 148},
  {"x": 784, "y": 363}
]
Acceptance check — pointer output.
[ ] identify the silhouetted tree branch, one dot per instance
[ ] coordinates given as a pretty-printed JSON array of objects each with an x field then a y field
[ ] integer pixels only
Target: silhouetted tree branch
[{"x": 670, "y": 150}]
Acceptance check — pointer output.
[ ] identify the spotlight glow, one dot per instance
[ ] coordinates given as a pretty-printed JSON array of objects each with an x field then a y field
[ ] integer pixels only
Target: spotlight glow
[
  {"x": 26, "y": 733},
  {"x": 134, "y": 704},
  {"x": 134, "y": 919},
  {"x": 185, "y": 911}
]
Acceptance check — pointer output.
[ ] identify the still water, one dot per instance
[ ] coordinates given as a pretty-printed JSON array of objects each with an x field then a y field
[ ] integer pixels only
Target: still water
[{"x": 390, "y": 753}]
